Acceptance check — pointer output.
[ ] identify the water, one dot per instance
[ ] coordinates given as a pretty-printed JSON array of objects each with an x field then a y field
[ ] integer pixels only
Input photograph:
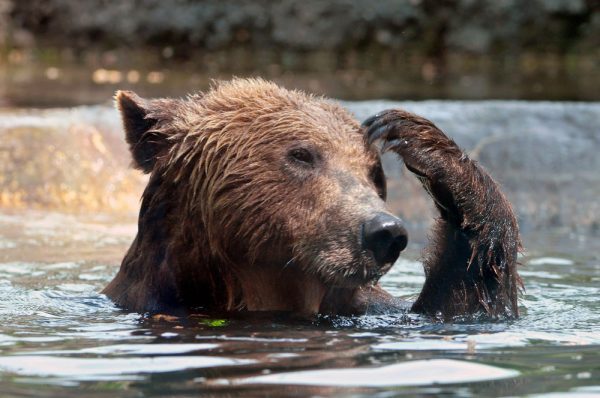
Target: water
[
  {"x": 60, "y": 337},
  {"x": 53, "y": 80}
]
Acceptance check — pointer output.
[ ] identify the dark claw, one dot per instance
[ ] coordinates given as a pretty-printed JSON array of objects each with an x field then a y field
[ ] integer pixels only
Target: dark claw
[
  {"x": 378, "y": 125},
  {"x": 368, "y": 121},
  {"x": 378, "y": 118},
  {"x": 393, "y": 144},
  {"x": 416, "y": 172},
  {"x": 378, "y": 131}
]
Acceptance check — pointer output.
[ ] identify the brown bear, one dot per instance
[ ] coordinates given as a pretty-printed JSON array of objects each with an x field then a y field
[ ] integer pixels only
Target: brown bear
[{"x": 265, "y": 199}]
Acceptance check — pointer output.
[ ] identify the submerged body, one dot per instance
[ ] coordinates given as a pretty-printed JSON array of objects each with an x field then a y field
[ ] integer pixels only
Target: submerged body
[{"x": 264, "y": 199}]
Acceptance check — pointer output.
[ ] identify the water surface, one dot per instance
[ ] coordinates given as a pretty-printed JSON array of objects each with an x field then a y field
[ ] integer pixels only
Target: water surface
[{"x": 60, "y": 337}]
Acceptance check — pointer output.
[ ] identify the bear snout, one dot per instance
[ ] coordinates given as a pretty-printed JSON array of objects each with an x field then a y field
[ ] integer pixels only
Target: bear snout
[{"x": 385, "y": 236}]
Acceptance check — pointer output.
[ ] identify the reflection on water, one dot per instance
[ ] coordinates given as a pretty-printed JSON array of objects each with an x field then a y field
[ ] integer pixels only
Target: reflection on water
[
  {"x": 410, "y": 373},
  {"x": 55, "y": 82},
  {"x": 58, "y": 335}
]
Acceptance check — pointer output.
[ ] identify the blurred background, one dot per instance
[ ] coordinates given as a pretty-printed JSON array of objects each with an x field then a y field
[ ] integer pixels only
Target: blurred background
[
  {"x": 66, "y": 52},
  {"x": 483, "y": 70}
]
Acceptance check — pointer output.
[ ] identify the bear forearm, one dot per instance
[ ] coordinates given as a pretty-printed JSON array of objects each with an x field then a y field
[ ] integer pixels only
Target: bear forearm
[
  {"x": 471, "y": 263},
  {"x": 467, "y": 275}
]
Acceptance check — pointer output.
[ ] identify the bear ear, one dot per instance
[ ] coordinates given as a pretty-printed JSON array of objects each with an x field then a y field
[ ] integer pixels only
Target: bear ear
[{"x": 139, "y": 120}]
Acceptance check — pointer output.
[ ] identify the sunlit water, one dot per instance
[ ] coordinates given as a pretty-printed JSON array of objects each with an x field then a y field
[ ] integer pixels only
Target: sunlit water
[{"x": 59, "y": 336}]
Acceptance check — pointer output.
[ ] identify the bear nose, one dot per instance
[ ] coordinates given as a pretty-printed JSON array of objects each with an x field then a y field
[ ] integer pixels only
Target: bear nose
[{"x": 385, "y": 236}]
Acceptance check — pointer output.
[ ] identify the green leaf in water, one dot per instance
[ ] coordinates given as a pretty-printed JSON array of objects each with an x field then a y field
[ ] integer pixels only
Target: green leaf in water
[{"x": 215, "y": 323}]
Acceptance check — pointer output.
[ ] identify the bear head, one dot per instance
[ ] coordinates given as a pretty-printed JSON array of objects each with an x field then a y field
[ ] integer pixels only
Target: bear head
[{"x": 254, "y": 190}]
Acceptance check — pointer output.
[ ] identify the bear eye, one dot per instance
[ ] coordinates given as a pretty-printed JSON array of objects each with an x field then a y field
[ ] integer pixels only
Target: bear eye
[{"x": 303, "y": 156}]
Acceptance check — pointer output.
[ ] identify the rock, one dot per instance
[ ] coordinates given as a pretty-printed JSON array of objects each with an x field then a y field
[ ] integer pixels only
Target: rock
[
  {"x": 424, "y": 27},
  {"x": 72, "y": 160},
  {"x": 543, "y": 154}
]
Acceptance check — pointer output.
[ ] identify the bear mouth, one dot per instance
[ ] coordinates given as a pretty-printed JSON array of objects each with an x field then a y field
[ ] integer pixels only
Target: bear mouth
[
  {"x": 363, "y": 275},
  {"x": 348, "y": 267}
]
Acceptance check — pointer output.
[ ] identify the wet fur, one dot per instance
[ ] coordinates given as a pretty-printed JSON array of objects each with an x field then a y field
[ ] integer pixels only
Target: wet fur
[
  {"x": 219, "y": 231},
  {"x": 470, "y": 264}
]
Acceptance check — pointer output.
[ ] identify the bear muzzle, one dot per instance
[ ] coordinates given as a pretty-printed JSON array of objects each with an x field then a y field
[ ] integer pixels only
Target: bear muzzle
[{"x": 385, "y": 237}]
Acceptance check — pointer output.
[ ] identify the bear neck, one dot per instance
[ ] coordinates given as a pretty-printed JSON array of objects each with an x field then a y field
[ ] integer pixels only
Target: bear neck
[
  {"x": 283, "y": 289},
  {"x": 152, "y": 279}
]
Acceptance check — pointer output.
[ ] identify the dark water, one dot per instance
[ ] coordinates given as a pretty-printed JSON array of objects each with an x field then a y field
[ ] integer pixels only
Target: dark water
[
  {"x": 55, "y": 82},
  {"x": 59, "y": 337}
]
